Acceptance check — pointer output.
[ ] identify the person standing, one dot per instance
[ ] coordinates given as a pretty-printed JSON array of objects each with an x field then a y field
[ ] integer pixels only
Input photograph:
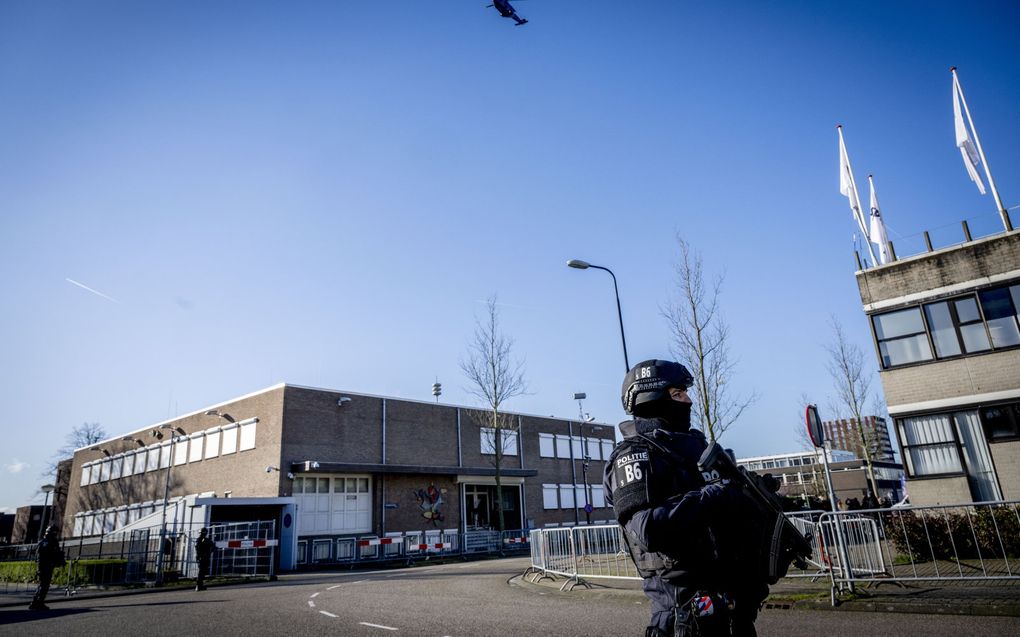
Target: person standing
[
  {"x": 204, "y": 548},
  {"x": 683, "y": 533},
  {"x": 49, "y": 556}
]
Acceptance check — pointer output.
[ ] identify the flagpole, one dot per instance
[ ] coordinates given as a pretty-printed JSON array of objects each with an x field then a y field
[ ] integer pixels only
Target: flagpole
[
  {"x": 981, "y": 153},
  {"x": 857, "y": 197}
]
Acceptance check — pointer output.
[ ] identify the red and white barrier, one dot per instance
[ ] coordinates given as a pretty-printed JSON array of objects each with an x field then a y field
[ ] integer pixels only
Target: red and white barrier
[
  {"x": 516, "y": 540},
  {"x": 425, "y": 547},
  {"x": 246, "y": 544},
  {"x": 378, "y": 541}
]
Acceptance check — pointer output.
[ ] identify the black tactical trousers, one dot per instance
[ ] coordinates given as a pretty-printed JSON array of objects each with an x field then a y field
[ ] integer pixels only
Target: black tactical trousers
[{"x": 45, "y": 577}]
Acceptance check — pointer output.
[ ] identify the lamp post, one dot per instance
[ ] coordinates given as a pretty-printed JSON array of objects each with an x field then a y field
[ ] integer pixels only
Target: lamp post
[
  {"x": 47, "y": 489},
  {"x": 584, "y": 265},
  {"x": 585, "y": 458},
  {"x": 156, "y": 433}
]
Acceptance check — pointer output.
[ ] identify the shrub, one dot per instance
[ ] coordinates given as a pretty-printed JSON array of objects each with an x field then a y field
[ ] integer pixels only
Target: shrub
[
  {"x": 83, "y": 572},
  {"x": 944, "y": 534}
]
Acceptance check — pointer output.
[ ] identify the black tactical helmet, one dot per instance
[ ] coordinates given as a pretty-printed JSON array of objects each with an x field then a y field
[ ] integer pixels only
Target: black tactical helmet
[{"x": 651, "y": 380}]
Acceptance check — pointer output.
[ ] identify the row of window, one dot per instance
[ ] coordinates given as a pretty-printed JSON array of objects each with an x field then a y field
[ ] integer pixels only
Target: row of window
[
  {"x": 779, "y": 463},
  {"x": 561, "y": 446},
  {"x": 570, "y": 496},
  {"x": 103, "y": 521},
  {"x": 976, "y": 322},
  {"x": 203, "y": 445}
]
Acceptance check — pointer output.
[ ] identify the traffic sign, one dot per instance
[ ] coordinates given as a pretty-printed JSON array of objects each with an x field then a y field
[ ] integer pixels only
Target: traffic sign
[{"x": 814, "y": 426}]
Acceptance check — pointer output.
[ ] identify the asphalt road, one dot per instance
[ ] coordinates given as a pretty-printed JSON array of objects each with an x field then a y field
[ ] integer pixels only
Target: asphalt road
[{"x": 456, "y": 600}]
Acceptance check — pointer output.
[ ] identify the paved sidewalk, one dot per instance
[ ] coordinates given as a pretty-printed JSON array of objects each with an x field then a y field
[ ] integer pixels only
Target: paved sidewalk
[{"x": 976, "y": 598}]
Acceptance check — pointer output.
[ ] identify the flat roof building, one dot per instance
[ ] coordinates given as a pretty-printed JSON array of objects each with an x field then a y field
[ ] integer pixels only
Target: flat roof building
[
  {"x": 947, "y": 338},
  {"x": 326, "y": 464}
]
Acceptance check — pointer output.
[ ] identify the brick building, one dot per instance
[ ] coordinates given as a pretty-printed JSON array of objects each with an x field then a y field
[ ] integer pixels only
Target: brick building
[
  {"x": 326, "y": 464},
  {"x": 947, "y": 337},
  {"x": 844, "y": 434}
]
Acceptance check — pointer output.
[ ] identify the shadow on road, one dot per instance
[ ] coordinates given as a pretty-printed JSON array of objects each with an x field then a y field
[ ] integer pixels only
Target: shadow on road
[{"x": 21, "y": 616}]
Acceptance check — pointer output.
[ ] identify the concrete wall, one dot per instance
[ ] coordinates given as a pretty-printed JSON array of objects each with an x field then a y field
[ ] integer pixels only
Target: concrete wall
[
  {"x": 984, "y": 258},
  {"x": 959, "y": 377},
  {"x": 414, "y": 514},
  {"x": 953, "y": 490},
  {"x": 1006, "y": 458}
]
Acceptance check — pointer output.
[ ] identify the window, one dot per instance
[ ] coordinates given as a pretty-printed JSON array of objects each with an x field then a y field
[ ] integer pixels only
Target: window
[
  {"x": 546, "y": 445},
  {"x": 576, "y": 445},
  {"x": 1000, "y": 316},
  {"x": 104, "y": 473},
  {"x": 901, "y": 337},
  {"x": 247, "y": 436},
  {"x": 1001, "y": 422},
  {"x": 562, "y": 446},
  {"x": 180, "y": 451},
  {"x": 567, "y": 496},
  {"x": 116, "y": 467},
  {"x": 607, "y": 449},
  {"x": 550, "y": 496},
  {"x": 593, "y": 448},
  {"x": 929, "y": 446},
  {"x": 154, "y": 455},
  {"x": 598, "y": 496},
  {"x": 212, "y": 443},
  {"x": 508, "y": 440},
  {"x": 195, "y": 453},
  {"x": 141, "y": 458},
  {"x": 943, "y": 329},
  {"x": 229, "y": 439},
  {"x": 86, "y": 473},
  {"x": 164, "y": 455}
]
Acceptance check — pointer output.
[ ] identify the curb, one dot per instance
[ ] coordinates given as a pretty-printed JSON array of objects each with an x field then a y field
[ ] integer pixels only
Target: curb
[{"x": 26, "y": 599}]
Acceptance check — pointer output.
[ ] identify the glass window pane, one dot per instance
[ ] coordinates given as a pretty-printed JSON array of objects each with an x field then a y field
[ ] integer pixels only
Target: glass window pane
[
  {"x": 338, "y": 485},
  {"x": 1000, "y": 421},
  {"x": 1001, "y": 317},
  {"x": 899, "y": 323},
  {"x": 299, "y": 483},
  {"x": 942, "y": 331},
  {"x": 905, "y": 350},
  {"x": 362, "y": 485},
  {"x": 967, "y": 310},
  {"x": 352, "y": 485},
  {"x": 975, "y": 338},
  {"x": 323, "y": 485}
]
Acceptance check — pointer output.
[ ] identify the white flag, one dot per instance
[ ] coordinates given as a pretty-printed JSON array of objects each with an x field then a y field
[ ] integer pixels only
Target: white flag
[
  {"x": 963, "y": 140},
  {"x": 846, "y": 187},
  {"x": 878, "y": 235}
]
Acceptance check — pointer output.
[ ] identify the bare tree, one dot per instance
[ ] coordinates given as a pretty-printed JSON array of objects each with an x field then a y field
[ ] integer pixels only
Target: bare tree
[
  {"x": 700, "y": 339},
  {"x": 495, "y": 377},
  {"x": 852, "y": 383},
  {"x": 83, "y": 435}
]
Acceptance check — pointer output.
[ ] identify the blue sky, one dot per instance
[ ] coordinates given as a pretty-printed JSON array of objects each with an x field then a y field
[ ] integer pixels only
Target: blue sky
[{"x": 325, "y": 193}]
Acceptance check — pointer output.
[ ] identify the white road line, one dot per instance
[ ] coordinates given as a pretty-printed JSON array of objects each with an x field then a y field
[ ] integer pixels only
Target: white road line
[
  {"x": 327, "y": 614},
  {"x": 399, "y": 575},
  {"x": 358, "y": 582},
  {"x": 337, "y": 586},
  {"x": 314, "y": 595},
  {"x": 377, "y": 626},
  {"x": 311, "y": 604}
]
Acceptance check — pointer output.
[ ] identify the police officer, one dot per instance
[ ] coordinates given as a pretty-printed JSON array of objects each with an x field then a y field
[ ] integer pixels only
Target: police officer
[
  {"x": 49, "y": 557},
  {"x": 204, "y": 548},
  {"x": 681, "y": 532}
]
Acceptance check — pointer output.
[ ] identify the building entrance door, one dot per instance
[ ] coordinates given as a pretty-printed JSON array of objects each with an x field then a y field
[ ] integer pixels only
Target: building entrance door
[{"x": 480, "y": 507}]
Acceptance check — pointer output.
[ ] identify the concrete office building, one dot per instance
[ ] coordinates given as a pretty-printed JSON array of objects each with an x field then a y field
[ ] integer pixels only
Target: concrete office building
[
  {"x": 844, "y": 434},
  {"x": 327, "y": 464},
  {"x": 803, "y": 474},
  {"x": 948, "y": 341}
]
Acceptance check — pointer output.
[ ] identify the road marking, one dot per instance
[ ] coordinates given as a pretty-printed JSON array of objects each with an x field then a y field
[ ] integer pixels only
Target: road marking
[
  {"x": 377, "y": 626},
  {"x": 314, "y": 595},
  {"x": 327, "y": 614},
  {"x": 358, "y": 582},
  {"x": 399, "y": 575},
  {"x": 311, "y": 604},
  {"x": 337, "y": 586}
]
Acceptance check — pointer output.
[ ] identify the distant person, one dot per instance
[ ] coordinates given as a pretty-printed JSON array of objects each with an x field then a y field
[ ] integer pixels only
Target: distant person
[
  {"x": 49, "y": 556},
  {"x": 204, "y": 548},
  {"x": 869, "y": 501}
]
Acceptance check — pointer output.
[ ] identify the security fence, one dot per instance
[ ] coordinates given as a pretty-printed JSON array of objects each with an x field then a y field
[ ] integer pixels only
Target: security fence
[
  {"x": 244, "y": 549},
  {"x": 935, "y": 544}
]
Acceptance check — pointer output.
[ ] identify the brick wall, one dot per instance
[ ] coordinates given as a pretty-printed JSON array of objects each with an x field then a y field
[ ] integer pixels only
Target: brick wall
[
  {"x": 991, "y": 372},
  {"x": 953, "y": 490},
  {"x": 1006, "y": 457}
]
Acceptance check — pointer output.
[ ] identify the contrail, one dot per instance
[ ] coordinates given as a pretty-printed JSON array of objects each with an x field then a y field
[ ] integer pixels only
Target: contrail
[{"x": 96, "y": 292}]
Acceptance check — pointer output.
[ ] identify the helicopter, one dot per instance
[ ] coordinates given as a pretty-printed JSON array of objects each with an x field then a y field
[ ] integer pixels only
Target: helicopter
[{"x": 507, "y": 11}]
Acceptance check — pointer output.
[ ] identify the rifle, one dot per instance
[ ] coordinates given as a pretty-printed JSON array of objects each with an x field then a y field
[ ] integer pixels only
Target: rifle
[{"x": 781, "y": 543}]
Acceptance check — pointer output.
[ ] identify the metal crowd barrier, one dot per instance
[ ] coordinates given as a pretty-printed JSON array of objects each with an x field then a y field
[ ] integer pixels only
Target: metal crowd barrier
[
  {"x": 411, "y": 546},
  {"x": 935, "y": 544}
]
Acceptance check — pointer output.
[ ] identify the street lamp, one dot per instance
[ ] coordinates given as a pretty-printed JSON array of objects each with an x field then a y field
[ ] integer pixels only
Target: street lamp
[
  {"x": 140, "y": 443},
  {"x": 156, "y": 433},
  {"x": 584, "y": 265},
  {"x": 47, "y": 489},
  {"x": 218, "y": 414},
  {"x": 585, "y": 458}
]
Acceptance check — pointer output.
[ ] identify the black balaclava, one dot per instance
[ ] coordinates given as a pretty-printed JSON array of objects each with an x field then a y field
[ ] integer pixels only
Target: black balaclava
[{"x": 676, "y": 414}]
